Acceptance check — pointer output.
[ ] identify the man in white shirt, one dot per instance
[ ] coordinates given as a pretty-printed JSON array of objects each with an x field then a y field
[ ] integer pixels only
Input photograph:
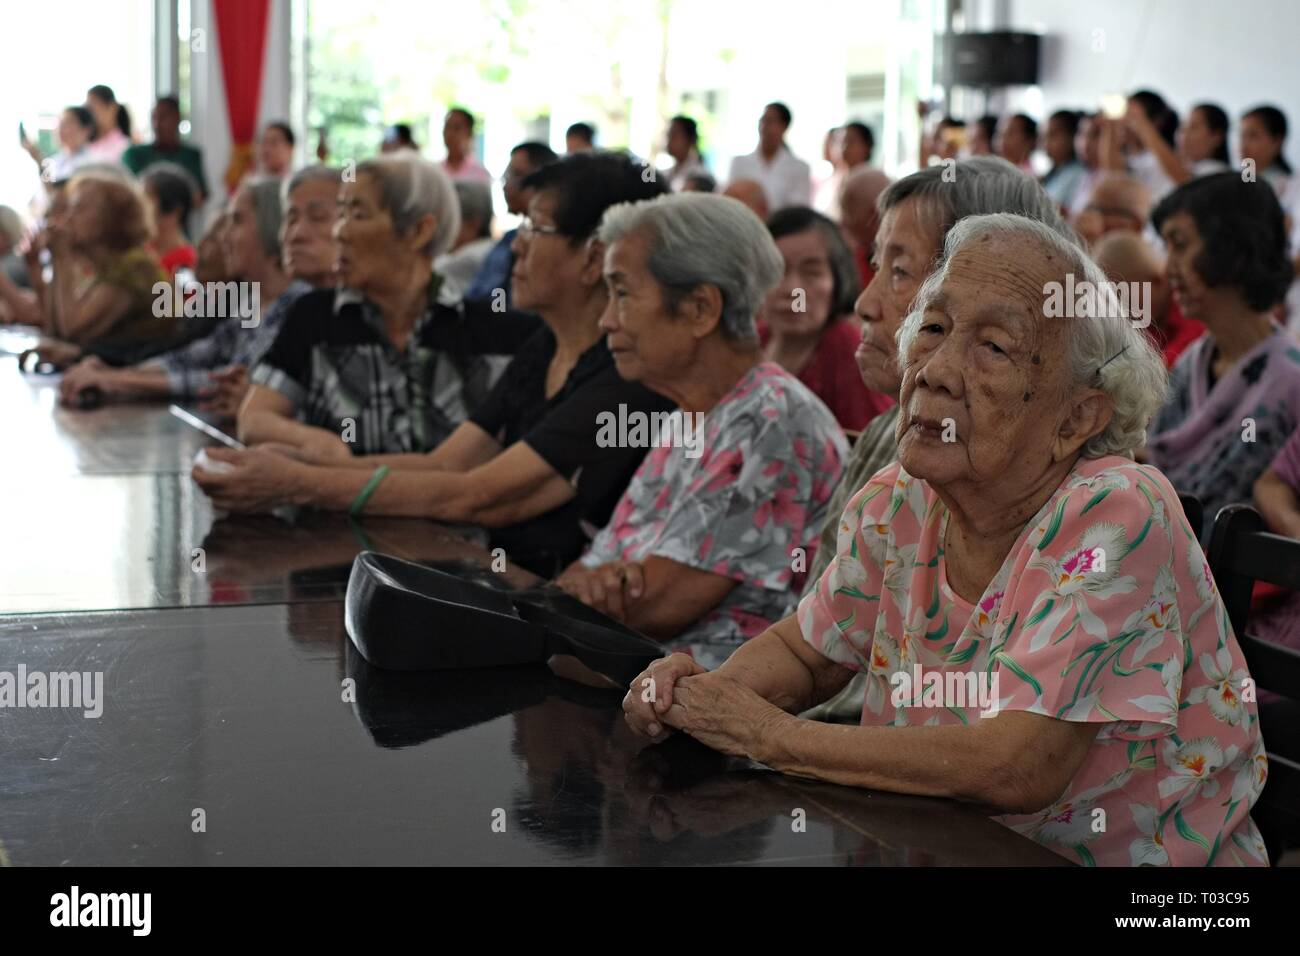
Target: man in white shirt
[{"x": 786, "y": 180}]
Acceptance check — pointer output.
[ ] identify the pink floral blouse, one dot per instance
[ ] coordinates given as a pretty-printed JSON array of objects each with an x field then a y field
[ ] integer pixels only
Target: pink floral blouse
[{"x": 1104, "y": 611}]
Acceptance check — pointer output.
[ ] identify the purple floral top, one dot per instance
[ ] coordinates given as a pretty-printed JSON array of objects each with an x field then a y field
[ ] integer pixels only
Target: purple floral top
[{"x": 759, "y": 491}]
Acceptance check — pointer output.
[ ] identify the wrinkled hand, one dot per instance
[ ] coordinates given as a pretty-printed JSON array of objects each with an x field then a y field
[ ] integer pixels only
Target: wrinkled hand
[
  {"x": 723, "y": 713},
  {"x": 609, "y": 588},
  {"x": 323, "y": 448},
  {"x": 651, "y": 694},
  {"x": 227, "y": 391},
  {"x": 260, "y": 480}
]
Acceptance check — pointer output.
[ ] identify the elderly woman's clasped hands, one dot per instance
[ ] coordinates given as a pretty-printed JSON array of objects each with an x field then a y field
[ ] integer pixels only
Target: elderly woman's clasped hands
[{"x": 676, "y": 693}]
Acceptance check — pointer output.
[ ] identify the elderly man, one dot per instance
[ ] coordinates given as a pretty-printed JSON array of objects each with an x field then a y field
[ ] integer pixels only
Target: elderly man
[
  {"x": 750, "y": 193},
  {"x": 1028, "y": 603},
  {"x": 167, "y": 146},
  {"x": 786, "y": 179},
  {"x": 859, "y": 217},
  {"x": 1118, "y": 203},
  {"x": 459, "y": 265},
  {"x": 458, "y": 137}
]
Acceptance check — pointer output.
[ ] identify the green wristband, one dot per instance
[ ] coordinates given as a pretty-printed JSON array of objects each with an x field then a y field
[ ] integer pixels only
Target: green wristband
[{"x": 364, "y": 495}]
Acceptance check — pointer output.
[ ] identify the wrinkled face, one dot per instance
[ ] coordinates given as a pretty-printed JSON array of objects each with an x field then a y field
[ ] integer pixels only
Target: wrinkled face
[
  {"x": 1182, "y": 246},
  {"x": 547, "y": 265},
  {"x": 307, "y": 235},
  {"x": 905, "y": 252},
  {"x": 1257, "y": 143},
  {"x": 1195, "y": 139},
  {"x": 72, "y": 134},
  {"x": 242, "y": 247},
  {"x": 274, "y": 154},
  {"x": 801, "y": 302},
  {"x": 986, "y": 367},
  {"x": 649, "y": 344},
  {"x": 366, "y": 240}
]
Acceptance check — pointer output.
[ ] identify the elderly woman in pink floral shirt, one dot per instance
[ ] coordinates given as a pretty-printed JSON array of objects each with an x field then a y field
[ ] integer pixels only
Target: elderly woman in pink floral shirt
[{"x": 1038, "y": 623}]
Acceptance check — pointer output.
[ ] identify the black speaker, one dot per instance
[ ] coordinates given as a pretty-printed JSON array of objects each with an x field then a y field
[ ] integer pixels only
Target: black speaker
[{"x": 989, "y": 59}]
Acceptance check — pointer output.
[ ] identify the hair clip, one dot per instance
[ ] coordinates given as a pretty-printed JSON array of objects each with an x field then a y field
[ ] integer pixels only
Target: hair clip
[{"x": 1111, "y": 359}]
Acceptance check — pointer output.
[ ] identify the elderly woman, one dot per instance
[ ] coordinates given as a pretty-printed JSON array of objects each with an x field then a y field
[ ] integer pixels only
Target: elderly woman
[
  {"x": 1235, "y": 392},
  {"x": 285, "y": 255},
  {"x": 805, "y": 325},
  {"x": 916, "y": 213},
  {"x": 105, "y": 227},
  {"x": 384, "y": 364},
  {"x": 709, "y": 544},
  {"x": 530, "y": 463},
  {"x": 1038, "y": 624}
]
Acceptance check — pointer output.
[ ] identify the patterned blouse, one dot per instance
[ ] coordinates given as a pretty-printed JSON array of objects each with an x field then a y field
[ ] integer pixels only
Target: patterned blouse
[
  {"x": 1104, "y": 611},
  {"x": 749, "y": 507}
]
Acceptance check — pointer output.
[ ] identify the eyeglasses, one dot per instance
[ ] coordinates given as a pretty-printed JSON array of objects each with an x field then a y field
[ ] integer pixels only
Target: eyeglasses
[{"x": 528, "y": 229}]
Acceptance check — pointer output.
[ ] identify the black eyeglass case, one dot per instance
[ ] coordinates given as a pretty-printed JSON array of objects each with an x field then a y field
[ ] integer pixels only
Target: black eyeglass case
[{"x": 404, "y": 616}]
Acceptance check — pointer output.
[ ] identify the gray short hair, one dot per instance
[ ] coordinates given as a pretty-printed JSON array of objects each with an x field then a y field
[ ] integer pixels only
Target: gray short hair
[
  {"x": 974, "y": 187},
  {"x": 1105, "y": 352},
  {"x": 11, "y": 226},
  {"x": 316, "y": 173},
  {"x": 411, "y": 188},
  {"x": 268, "y": 212},
  {"x": 475, "y": 202},
  {"x": 704, "y": 239}
]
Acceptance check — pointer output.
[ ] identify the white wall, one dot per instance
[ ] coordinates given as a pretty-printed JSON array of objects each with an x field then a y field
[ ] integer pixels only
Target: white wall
[{"x": 1237, "y": 53}]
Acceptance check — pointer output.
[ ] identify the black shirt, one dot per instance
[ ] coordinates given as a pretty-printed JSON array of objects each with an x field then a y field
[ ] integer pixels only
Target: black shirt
[{"x": 562, "y": 430}]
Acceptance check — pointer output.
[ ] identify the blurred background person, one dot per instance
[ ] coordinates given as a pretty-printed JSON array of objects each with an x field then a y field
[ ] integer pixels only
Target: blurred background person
[
  {"x": 785, "y": 179},
  {"x": 749, "y": 192},
  {"x": 982, "y": 132},
  {"x": 1203, "y": 141},
  {"x": 171, "y": 194},
  {"x": 398, "y": 137},
  {"x": 807, "y": 325},
  {"x": 461, "y": 263},
  {"x": 275, "y": 150},
  {"x": 75, "y": 131},
  {"x": 458, "y": 138},
  {"x": 1234, "y": 395},
  {"x": 1118, "y": 203},
  {"x": 112, "y": 125},
  {"x": 1126, "y": 257},
  {"x": 494, "y": 272},
  {"x": 1015, "y": 140},
  {"x": 682, "y": 143},
  {"x": 860, "y": 218},
  {"x": 1263, "y": 141},
  {"x": 579, "y": 138},
  {"x": 168, "y": 148},
  {"x": 1067, "y": 171}
]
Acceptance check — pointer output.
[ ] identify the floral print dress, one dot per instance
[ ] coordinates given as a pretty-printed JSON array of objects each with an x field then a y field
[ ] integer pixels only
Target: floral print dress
[
  {"x": 1104, "y": 611},
  {"x": 750, "y": 507}
]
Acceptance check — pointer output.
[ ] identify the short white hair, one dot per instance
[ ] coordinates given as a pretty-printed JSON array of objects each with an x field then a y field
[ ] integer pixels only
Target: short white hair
[
  {"x": 410, "y": 188},
  {"x": 704, "y": 239},
  {"x": 1105, "y": 352}
]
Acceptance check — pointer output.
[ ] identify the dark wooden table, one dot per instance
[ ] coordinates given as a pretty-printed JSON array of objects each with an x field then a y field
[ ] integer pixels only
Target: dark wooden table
[{"x": 238, "y": 724}]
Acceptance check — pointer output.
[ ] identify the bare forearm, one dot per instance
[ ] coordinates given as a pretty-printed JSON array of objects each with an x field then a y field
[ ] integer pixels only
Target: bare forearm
[
  {"x": 781, "y": 672},
  {"x": 259, "y": 426},
  {"x": 144, "y": 382},
  {"x": 1278, "y": 504},
  {"x": 953, "y": 761}
]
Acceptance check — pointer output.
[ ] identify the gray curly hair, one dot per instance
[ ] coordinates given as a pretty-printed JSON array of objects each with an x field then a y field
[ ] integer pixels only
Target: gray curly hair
[{"x": 1105, "y": 352}]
